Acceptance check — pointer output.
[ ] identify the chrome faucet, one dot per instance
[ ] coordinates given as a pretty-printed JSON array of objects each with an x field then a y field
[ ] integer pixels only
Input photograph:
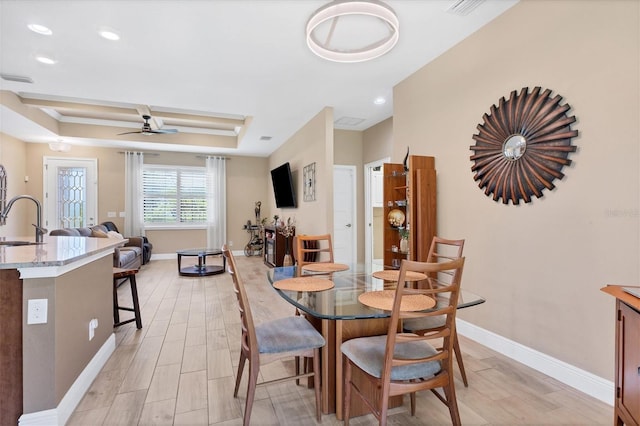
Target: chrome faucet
[{"x": 40, "y": 231}]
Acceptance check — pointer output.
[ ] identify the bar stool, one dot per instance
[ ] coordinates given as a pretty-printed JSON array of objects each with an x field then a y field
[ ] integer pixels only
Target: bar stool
[{"x": 119, "y": 273}]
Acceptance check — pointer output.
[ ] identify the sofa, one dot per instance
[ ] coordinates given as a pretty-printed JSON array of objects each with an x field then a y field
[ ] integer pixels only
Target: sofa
[{"x": 128, "y": 256}]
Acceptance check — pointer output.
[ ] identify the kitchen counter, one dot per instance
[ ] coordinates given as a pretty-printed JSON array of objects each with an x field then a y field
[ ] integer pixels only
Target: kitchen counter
[
  {"x": 48, "y": 364},
  {"x": 54, "y": 251}
]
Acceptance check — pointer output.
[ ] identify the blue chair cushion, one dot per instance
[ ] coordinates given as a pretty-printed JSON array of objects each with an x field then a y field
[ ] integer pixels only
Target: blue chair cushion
[
  {"x": 368, "y": 354},
  {"x": 287, "y": 334},
  {"x": 424, "y": 323}
]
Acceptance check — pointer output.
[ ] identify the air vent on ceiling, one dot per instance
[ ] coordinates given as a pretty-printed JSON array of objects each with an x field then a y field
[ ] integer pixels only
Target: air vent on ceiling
[
  {"x": 265, "y": 138},
  {"x": 463, "y": 7},
  {"x": 16, "y": 78},
  {"x": 348, "y": 121}
]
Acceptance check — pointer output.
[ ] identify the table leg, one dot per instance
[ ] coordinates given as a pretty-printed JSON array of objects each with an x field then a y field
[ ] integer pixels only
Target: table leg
[{"x": 179, "y": 258}]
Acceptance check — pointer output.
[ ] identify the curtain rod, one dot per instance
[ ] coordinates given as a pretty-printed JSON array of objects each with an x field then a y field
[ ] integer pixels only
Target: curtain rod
[
  {"x": 137, "y": 152},
  {"x": 215, "y": 156}
]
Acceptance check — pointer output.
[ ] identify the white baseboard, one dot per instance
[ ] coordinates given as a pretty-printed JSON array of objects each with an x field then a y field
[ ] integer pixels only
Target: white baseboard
[
  {"x": 577, "y": 378},
  {"x": 60, "y": 415}
]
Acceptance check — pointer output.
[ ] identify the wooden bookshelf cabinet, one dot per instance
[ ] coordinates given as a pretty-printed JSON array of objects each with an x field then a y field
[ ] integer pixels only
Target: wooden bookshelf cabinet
[
  {"x": 414, "y": 193},
  {"x": 627, "y": 391},
  {"x": 275, "y": 245}
]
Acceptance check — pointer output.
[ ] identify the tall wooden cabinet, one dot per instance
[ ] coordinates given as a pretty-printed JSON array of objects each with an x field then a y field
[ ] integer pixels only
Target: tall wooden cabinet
[
  {"x": 275, "y": 246},
  {"x": 413, "y": 194},
  {"x": 627, "y": 395}
]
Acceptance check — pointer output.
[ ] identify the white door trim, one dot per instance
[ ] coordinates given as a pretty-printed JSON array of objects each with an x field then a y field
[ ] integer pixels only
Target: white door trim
[
  {"x": 91, "y": 187},
  {"x": 368, "y": 209}
]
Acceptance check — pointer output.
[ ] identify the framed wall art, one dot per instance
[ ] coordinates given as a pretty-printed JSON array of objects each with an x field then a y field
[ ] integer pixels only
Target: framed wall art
[
  {"x": 309, "y": 179},
  {"x": 523, "y": 145}
]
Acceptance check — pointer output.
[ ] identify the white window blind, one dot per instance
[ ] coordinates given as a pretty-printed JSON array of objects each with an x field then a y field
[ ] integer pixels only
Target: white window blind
[{"x": 174, "y": 195}]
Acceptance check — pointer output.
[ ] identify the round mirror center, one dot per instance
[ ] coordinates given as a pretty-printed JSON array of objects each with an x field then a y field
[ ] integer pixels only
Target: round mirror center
[{"x": 514, "y": 147}]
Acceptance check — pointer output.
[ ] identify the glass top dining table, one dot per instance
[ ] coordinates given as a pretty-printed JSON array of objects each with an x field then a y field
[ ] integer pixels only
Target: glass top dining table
[{"x": 341, "y": 301}]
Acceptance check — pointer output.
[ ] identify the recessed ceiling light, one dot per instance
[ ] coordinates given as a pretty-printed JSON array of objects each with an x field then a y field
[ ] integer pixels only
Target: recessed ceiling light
[
  {"x": 379, "y": 100},
  {"x": 40, "y": 29},
  {"x": 45, "y": 60},
  {"x": 109, "y": 35}
]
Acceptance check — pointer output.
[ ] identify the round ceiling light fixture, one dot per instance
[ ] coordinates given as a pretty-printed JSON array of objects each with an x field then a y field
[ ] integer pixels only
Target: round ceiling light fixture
[{"x": 352, "y": 30}]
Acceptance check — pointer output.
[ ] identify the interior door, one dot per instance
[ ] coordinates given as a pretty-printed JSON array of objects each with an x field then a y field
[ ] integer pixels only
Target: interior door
[
  {"x": 345, "y": 248},
  {"x": 70, "y": 192}
]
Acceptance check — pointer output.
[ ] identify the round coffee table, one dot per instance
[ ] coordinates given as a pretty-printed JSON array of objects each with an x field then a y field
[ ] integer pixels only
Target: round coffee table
[{"x": 201, "y": 269}]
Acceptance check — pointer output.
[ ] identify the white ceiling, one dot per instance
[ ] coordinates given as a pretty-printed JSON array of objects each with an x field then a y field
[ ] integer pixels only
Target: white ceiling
[{"x": 232, "y": 58}]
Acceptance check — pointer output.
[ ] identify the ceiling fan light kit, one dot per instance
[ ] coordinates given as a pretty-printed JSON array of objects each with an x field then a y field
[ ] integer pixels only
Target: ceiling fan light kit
[
  {"x": 59, "y": 146},
  {"x": 328, "y": 18},
  {"x": 147, "y": 130}
]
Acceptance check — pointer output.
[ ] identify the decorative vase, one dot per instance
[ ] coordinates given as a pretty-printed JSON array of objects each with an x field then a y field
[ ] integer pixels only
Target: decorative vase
[
  {"x": 287, "y": 261},
  {"x": 404, "y": 245}
]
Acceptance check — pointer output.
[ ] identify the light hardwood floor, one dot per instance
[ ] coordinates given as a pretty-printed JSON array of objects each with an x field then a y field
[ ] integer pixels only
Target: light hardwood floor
[{"x": 180, "y": 368}]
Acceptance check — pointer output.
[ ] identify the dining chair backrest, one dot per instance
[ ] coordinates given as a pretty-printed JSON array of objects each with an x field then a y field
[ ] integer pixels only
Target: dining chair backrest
[
  {"x": 249, "y": 340},
  {"x": 446, "y": 296},
  {"x": 271, "y": 341},
  {"x": 410, "y": 362},
  {"x": 444, "y": 250},
  {"x": 313, "y": 249},
  {"x": 441, "y": 250}
]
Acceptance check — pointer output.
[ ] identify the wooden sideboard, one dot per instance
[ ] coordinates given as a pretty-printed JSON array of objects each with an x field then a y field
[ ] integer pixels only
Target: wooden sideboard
[
  {"x": 275, "y": 246},
  {"x": 627, "y": 392}
]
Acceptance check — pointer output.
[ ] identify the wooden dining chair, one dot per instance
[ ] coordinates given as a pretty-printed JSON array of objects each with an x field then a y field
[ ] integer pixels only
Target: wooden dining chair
[
  {"x": 313, "y": 249},
  {"x": 401, "y": 363},
  {"x": 272, "y": 341},
  {"x": 441, "y": 250}
]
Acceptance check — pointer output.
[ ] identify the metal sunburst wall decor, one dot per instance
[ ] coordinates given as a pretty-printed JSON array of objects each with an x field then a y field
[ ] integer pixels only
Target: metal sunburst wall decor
[{"x": 522, "y": 145}]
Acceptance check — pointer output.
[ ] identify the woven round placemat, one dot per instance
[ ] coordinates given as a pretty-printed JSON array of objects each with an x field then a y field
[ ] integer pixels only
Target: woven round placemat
[
  {"x": 392, "y": 275},
  {"x": 383, "y": 299},
  {"x": 304, "y": 284},
  {"x": 325, "y": 267}
]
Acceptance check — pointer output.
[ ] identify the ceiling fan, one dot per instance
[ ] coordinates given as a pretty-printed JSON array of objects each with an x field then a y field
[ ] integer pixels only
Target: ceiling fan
[{"x": 147, "y": 130}]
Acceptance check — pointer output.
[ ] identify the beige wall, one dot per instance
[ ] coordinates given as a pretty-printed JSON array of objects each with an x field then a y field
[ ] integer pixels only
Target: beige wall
[
  {"x": 540, "y": 265},
  {"x": 347, "y": 150},
  {"x": 378, "y": 141},
  {"x": 57, "y": 352},
  {"x": 13, "y": 155},
  {"x": 312, "y": 143}
]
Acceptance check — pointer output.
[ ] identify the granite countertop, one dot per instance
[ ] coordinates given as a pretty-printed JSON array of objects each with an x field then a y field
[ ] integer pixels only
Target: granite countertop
[{"x": 54, "y": 251}]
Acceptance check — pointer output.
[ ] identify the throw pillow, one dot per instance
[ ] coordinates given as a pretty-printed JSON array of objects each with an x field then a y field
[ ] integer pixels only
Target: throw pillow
[
  {"x": 98, "y": 233},
  {"x": 115, "y": 235}
]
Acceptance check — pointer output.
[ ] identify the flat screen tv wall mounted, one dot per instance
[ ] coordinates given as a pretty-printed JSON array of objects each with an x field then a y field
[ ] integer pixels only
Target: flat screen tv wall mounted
[{"x": 283, "y": 186}]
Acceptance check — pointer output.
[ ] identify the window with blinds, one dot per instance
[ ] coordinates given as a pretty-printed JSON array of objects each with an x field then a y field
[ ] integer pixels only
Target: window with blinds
[{"x": 174, "y": 196}]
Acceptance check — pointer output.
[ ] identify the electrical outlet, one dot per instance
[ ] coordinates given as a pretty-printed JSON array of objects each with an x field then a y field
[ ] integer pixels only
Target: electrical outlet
[
  {"x": 111, "y": 214},
  {"x": 37, "y": 311},
  {"x": 230, "y": 243}
]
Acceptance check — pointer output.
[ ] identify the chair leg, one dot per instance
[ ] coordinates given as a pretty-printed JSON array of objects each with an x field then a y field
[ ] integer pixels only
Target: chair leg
[
  {"x": 456, "y": 350},
  {"x": 116, "y": 308},
  {"x": 412, "y": 397},
  {"x": 136, "y": 303},
  {"x": 316, "y": 382},
  {"x": 452, "y": 403},
  {"x": 346, "y": 388},
  {"x": 251, "y": 393},
  {"x": 243, "y": 359}
]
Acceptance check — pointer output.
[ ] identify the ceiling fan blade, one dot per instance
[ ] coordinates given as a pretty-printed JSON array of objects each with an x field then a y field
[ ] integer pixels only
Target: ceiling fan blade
[
  {"x": 128, "y": 133},
  {"x": 165, "y": 131}
]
